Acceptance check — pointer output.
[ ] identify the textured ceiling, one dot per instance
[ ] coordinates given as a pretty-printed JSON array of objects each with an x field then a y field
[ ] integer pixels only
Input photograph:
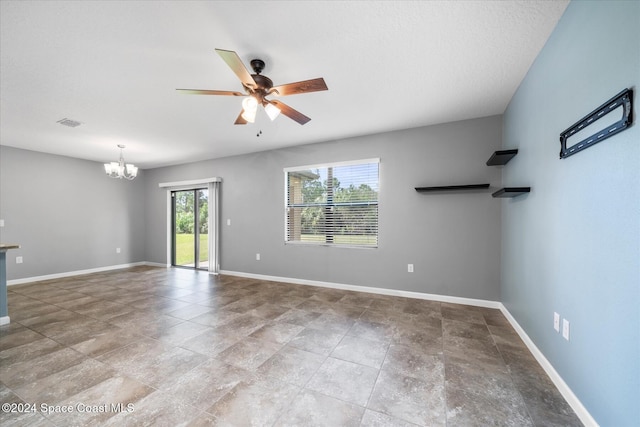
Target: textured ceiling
[{"x": 114, "y": 67}]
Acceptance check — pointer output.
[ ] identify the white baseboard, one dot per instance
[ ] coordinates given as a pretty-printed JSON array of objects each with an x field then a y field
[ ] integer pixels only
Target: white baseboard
[
  {"x": 4, "y": 320},
  {"x": 75, "y": 273},
  {"x": 562, "y": 386},
  {"x": 371, "y": 290}
]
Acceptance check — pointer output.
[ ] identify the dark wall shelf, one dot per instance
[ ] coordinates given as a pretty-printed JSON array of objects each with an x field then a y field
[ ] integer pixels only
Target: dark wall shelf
[
  {"x": 498, "y": 158},
  {"x": 511, "y": 191},
  {"x": 501, "y": 157},
  {"x": 452, "y": 188}
]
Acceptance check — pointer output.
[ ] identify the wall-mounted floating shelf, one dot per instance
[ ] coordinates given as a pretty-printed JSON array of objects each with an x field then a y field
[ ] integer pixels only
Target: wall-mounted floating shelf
[
  {"x": 511, "y": 191},
  {"x": 501, "y": 157},
  {"x": 452, "y": 188}
]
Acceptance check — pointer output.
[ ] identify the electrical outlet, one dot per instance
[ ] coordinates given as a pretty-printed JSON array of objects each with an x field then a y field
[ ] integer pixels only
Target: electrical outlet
[
  {"x": 117, "y": 250},
  {"x": 229, "y": 221},
  {"x": 556, "y": 322},
  {"x": 1, "y": 222},
  {"x": 565, "y": 329},
  {"x": 410, "y": 268},
  {"x": 18, "y": 260},
  {"x": 257, "y": 257}
]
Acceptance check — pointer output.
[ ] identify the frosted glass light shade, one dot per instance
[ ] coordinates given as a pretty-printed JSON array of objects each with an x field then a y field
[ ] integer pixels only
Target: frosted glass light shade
[
  {"x": 250, "y": 106},
  {"x": 272, "y": 111}
]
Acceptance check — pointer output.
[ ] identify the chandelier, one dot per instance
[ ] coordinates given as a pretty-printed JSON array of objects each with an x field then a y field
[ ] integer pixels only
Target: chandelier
[{"x": 119, "y": 169}]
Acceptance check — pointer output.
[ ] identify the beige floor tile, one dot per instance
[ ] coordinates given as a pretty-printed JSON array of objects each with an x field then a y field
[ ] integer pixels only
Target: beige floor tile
[
  {"x": 151, "y": 362},
  {"x": 378, "y": 419},
  {"x": 49, "y": 321},
  {"x": 211, "y": 342},
  {"x": 73, "y": 334},
  {"x": 411, "y": 362},
  {"x": 33, "y": 370},
  {"x": 62, "y": 384},
  {"x": 189, "y": 312},
  {"x": 311, "y": 409},
  {"x": 17, "y": 336},
  {"x": 245, "y": 325},
  {"x": 207, "y": 383},
  {"x": 278, "y": 332},
  {"x": 96, "y": 404},
  {"x": 297, "y": 316},
  {"x": 215, "y": 317},
  {"x": 159, "y": 408},
  {"x": 332, "y": 323},
  {"x": 249, "y": 353},
  {"x": 411, "y": 399},
  {"x": 31, "y": 350},
  {"x": 105, "y": 342},
  {"x": 15, "y": 418},
  {"x": 253, "y": 403},
  {"x": 291, "y": 365},
  {"x": 467, "y": 408},
  {"x": 316, "y": 341},
  {"x": 344, "y": 380},
  {"x": 362, "y": 351},
  {"x": 180, "y": 333}
]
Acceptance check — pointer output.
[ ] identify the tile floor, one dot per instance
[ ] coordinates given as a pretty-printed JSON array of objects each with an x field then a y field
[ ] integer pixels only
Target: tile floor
[{"x": 155, "y": 346}]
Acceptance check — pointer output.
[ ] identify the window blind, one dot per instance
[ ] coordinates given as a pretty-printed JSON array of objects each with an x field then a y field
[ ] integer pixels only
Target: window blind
[{"x": 333, "y": 204}]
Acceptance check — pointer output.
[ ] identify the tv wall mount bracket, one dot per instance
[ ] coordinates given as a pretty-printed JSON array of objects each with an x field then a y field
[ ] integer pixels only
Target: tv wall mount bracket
[{"x": 624, "y": 99}]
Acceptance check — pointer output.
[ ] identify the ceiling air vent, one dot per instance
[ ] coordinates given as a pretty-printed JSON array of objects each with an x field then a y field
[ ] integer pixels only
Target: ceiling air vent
[{"x": 69, "y": 122}]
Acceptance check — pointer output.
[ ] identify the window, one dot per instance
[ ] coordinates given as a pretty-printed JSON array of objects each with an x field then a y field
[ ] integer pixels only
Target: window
[{"x": 333, "y": 204}]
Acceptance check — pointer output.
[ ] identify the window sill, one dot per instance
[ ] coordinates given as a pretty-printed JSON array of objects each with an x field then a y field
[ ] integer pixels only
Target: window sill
[{"x": 332, "y": 245}]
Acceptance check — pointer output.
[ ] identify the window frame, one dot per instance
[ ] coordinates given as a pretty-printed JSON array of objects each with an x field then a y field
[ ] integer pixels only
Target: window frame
[{"x": 327, "y": 165}]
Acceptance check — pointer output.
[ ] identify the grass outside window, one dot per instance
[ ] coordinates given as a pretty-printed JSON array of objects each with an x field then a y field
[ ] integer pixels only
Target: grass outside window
[{"x": 184, "y": 248}]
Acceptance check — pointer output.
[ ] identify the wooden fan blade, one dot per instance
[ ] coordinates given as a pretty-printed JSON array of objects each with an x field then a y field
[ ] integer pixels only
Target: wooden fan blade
[
  {"x": 313, "y": 85},
  {"x": 211, "y": 92},
  {"x": 240, "y": 120},
  {"x": 235, "y": 63},
  {"x": 290, "y": 112}
]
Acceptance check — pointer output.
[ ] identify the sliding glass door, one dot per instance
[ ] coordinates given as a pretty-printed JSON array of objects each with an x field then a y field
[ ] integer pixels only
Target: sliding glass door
[{"x": 190, "y": 228}]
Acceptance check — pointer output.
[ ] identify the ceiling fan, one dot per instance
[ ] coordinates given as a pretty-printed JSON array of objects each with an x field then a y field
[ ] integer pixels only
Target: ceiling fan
[{"x": 257, "y": 87}]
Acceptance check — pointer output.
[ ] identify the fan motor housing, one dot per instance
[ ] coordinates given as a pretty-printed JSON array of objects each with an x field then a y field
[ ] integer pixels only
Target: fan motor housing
[{"x": 263, "y": 82}]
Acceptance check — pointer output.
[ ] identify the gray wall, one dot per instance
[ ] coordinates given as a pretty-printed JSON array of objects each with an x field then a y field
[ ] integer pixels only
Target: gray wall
[
  {"x": 67, "y": 215},
  {"x": 573, "y": 245},
  {"x": 453, "y": 240}
]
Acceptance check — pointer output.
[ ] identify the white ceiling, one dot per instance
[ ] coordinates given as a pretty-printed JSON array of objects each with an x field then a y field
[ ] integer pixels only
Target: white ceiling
[{"x": 114, "y": 66}]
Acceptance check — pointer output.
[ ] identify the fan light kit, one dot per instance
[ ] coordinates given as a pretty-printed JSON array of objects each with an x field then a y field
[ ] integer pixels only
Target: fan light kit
[
  {"x": 257, "y": 87},
  {"x": 119, "y": 169}
]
